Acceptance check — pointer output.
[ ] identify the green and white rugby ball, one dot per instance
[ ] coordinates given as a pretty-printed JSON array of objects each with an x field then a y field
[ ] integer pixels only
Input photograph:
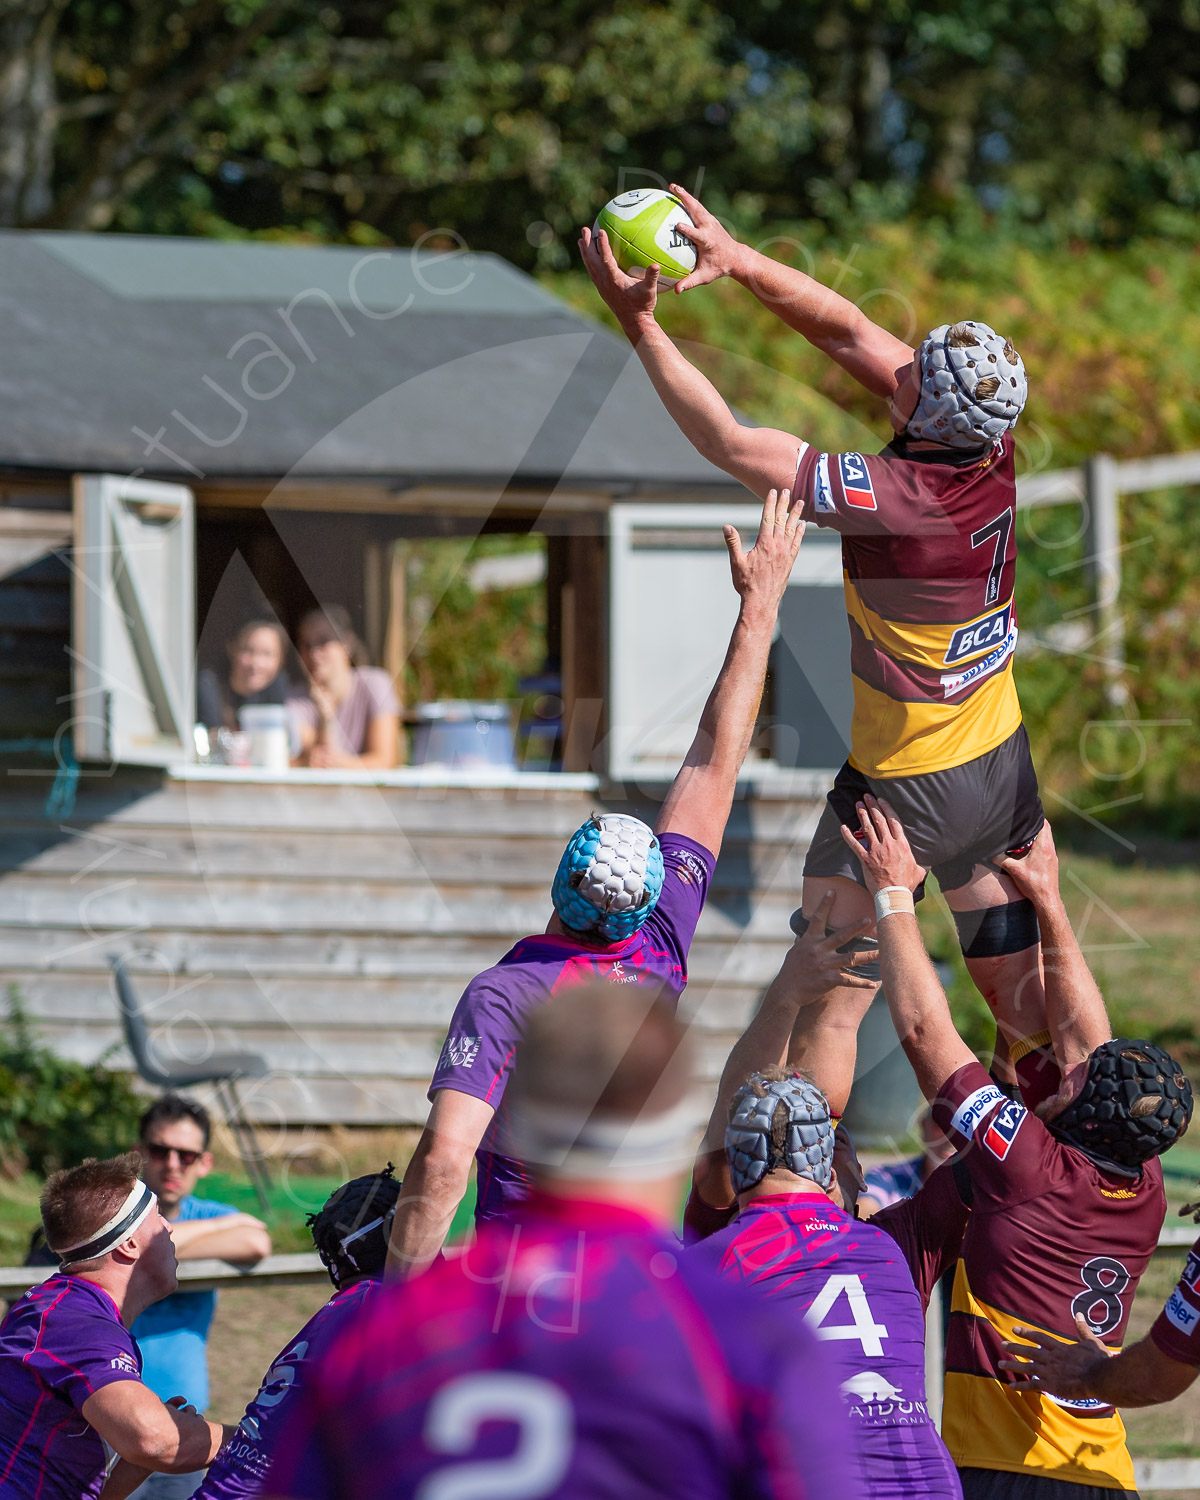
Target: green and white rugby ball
[{"x": 640, "y": 225}]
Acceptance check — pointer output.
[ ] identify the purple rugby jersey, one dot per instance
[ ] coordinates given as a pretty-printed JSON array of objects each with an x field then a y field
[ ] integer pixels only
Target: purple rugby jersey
[
  {"x": 241, "y": 1466},
  {"x": 849, "y": 1282},
  {"x": 489, "y": 1019},
  {"x": 573, "y": 1354},
  {"x": 59, "y": 1344}
]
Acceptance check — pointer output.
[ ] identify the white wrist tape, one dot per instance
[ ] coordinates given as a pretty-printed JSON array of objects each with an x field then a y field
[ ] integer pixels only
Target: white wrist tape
[{"x": 893, "y": 898}]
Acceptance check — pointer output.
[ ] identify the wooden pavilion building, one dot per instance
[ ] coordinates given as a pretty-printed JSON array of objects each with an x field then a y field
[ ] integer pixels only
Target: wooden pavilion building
[{"x": 194, "y": 428}]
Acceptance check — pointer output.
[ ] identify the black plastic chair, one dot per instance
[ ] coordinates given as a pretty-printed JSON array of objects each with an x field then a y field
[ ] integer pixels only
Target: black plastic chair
[{"x": 222, "y": 1070}]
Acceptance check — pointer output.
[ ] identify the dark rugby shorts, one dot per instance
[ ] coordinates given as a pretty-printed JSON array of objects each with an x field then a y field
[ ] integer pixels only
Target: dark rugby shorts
[
  {"x": 999, "y": 1484},
  {"x": 956, "y": 819}
]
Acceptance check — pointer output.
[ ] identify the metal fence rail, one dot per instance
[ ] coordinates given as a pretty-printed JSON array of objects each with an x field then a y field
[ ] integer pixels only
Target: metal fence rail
[
  {"x": 198, "y": 1275},
  {"x": 307, "y": 1270},
  {"x": 1097, "y": 486}
]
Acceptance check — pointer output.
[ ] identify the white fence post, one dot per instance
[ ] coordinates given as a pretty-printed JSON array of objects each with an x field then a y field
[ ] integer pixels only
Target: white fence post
[{"x": 1103, "y": 543}]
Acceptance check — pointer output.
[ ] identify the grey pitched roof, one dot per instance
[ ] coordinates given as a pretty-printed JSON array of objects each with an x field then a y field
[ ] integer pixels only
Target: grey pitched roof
[{"x": 200, "y": 358}]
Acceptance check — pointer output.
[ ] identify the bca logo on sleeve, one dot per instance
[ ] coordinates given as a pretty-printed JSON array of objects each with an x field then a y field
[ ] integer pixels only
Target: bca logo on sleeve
[
  {"x": 1191, "y": 1273},
  {"x": 856, "y": 481},
  {"x": 1002, "y": 1129}
]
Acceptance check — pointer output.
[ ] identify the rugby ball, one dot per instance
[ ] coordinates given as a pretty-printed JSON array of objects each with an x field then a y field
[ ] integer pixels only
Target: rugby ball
[{"x": 640, "y": 225}]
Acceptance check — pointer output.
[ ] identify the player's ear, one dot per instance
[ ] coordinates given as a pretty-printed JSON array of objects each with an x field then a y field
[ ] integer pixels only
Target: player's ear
[{"x": 205, "y": 1163}]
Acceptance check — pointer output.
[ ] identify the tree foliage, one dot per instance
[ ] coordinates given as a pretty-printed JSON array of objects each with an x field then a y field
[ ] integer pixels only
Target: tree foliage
[
  {"x": 1113, "y": 355},
  {"x": 54, "y": 1112},
  {"x": 509, "y": 121}
]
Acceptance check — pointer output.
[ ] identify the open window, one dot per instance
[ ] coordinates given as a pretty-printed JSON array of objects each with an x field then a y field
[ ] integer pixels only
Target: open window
[
  {"x": 672, "y": 610},
  {"x": 133, "y": 620}
]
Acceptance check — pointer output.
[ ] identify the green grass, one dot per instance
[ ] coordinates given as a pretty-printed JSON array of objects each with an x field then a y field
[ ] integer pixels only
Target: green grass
[
  {"x": 291, "y": 1203},
  {"x": 1135, "y": 919}
]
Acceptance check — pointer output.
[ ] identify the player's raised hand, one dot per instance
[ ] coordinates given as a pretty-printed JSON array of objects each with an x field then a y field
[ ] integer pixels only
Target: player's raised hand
[
  {"x": 1047, "y": 1364},
  {"x": 762, "y": 573},
  {"x": 632, "y": 298},
  {"x": 882, "y": 848},
  {"x": 717, "y": 251},
  {"x": 814, "y": 966},
  {"x": 1035, "y": 875}
]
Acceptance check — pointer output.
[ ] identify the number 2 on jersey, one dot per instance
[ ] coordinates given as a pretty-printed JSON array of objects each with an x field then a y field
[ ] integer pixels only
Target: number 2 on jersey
[
  {"x": 537, "y": 1466},
  {"x": 1001, "y": 530},
  {"x": 864, "y": 1328}
]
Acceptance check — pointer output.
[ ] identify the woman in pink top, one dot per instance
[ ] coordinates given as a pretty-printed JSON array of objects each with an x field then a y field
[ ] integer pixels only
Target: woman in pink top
[{"x": 349, "y": 715}]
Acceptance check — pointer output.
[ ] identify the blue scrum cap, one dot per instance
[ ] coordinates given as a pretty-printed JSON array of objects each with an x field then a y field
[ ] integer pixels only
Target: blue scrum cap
[
  {"x": 609, "y": 878},
  {"x": 750, "y": 1147},
  {"x": 973, "y": 386}
]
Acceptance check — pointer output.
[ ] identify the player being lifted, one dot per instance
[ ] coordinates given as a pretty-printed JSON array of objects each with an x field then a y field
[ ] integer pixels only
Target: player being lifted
[
  {"x": 1066, "y": 1191},
  {"x": 929, "y": 559},
  {"x": 626, "y": 903}
]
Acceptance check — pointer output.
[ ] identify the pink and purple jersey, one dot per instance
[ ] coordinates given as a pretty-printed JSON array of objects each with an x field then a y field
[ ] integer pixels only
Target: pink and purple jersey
[
  {"x": 59, "y": 1344},
  {"x": 488, "y": 1020},
  {"x": 848, "y": 1282},
  {"x": 240, "y": 1468},
  {"x": 574, "y": 1353}
]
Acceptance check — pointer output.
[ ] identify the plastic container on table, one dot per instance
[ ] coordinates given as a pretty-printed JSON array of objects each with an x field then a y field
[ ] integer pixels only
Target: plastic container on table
[
  {"x": 266, "y": 727},
  {"x": 463, "y": 734}
]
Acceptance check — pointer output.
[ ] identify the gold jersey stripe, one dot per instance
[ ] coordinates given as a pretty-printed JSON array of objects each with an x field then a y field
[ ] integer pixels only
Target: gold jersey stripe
[
  {"x": 988, "y": 1425},
  {"x": 894, "y": 738},
  {"x": 924, "y": 645}
]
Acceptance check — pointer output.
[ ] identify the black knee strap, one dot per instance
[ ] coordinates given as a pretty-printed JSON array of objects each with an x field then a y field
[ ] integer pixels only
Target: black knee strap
[
  {"x": 799, "y": 924},
  {"x": 997, "y": 930}
]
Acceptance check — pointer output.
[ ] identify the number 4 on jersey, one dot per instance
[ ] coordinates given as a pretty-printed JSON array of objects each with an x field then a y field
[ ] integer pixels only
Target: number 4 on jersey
[{"x": 864, "y": 1328}]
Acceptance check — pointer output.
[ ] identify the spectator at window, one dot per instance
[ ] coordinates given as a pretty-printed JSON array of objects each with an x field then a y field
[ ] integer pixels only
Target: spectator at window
[
  {"x": 255, "y": 675},
  {"x": 173, "y": 1138},
  {"x": 349, "y": 715}
]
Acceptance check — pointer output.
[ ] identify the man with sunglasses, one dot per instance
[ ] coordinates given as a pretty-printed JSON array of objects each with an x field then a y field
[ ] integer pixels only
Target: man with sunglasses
[{"x": 173, "y": 1137}]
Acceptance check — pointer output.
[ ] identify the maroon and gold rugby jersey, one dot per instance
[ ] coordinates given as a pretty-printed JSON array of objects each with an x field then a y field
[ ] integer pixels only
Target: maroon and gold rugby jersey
[
  {"x": 1176, "y": 1330},
  {"x": 929, "y": 555},
  {"x": 1051, "y": 1235}
]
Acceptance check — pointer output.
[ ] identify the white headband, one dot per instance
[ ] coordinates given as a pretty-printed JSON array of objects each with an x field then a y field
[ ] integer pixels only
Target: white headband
[
  {"x": 132, "y": 1213},
  {"x": 559, "y": 1143}
]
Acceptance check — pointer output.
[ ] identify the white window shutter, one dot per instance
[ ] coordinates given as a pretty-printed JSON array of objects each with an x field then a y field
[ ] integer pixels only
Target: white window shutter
[
  {"x": 133, "y": 620},
  {"x": 672, "y": 610}
]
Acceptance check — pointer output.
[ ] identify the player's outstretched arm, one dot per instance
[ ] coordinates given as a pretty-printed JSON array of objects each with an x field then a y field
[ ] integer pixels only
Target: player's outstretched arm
[
  {"x": 916, "y": 999},
  {"x": 1141, "y": 1375},
  {"x": 761, "y": 458},
  {"x": 435, "y": 1181},
  {"x": 876, "y": 358},
  {"x": 166, "y": 1437},
  {"x": 701, "y": 795},
  {"x": 1075, "y": 1011},
  {"x": 811, "y": 968}
]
